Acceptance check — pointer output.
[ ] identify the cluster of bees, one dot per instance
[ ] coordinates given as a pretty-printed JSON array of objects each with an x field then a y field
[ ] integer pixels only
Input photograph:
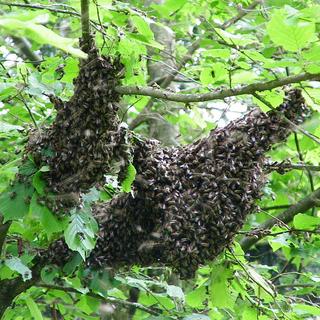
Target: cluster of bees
[
  {"x": 187, "y": 203},
  {"x": 85, "y": 137}
]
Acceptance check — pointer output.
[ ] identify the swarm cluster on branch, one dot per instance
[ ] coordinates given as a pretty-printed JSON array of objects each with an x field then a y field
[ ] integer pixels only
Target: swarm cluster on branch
[
  {"x": 85, "y": 138},
  {"x": 187, "y": 202}
]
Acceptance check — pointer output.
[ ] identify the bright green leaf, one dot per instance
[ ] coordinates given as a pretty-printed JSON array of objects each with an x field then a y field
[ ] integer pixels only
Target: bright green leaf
[
  {"x": 292, "y": 35},
  {"x": 38, "y": 183},
  {"x": 33, "y": 308},
  {"x": 131, "y": 175},
  {"x": 41, "y": 35},
  {"x": 49, "y": 221},
  {"x": 220, "y": 288},
  {"x": 14, "y": 203},
  {"x": 304, "y": 221}
]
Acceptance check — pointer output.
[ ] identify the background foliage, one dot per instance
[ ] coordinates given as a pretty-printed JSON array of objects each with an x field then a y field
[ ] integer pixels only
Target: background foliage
[{"x": 278, "y": 278}]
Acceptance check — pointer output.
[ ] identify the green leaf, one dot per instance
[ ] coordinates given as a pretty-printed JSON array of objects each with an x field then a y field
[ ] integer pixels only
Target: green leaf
[
  {"x": 304, "y": 221},
  {"x": 41, "y": 35},
  {"x": 27, "y": 167},
  {"x": 33, "y": 308},
  {"x": 207, "y": 76},
  {"x": 15, "y": 264},
  {"x": 170, "y": 6},
  {"x": 131, "y": 175},
  {"x": 142, "y": 27},
  {"x": 38, "y": 183},
  {"x": 278, "y": 242},
  {"x": 142, "y": 39},
  {"x": 219, "y": 288},
  {"x": 80, "y": 234},
  {"x": 293, "y": 34},
  {"x": 49, "y": 221},
  {"x": 14, "y": 203},
  {"x": 88, "y": 304},
  {"x": 313, "y": 54},
  {"x": 196, "y": 298},
  {"x": 301, "y": 308}
]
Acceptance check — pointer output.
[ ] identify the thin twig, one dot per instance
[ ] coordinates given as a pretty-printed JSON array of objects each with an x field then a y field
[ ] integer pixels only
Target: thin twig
[{"x": 297, "y": 285}]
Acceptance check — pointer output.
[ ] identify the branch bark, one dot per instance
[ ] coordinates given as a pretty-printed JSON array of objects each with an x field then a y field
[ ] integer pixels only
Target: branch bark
[
  {"x": 243, "y": 12},
  {"x": 218, "y": 94},
  {"x": 286, "y": 216}
]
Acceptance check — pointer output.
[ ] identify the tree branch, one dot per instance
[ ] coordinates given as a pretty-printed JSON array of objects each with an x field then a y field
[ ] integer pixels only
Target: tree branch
[
  {"x": 85, "y": 24},
  {"x": 11, "y": 288},
  {"x": 243, "y": 12},
  {"x": 123, "y": 303},
  {"x": 286, "y": 216},
  {"x": 292, "y": 166},
  {"x": 24, "y": 47},
  {"x": 4, "y": 227},
  {"x": 165, "y": 82},
  {"x": 218, "y": 94}
]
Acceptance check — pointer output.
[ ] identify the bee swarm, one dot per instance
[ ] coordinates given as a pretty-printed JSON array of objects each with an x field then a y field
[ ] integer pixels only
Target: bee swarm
[
  {"x": 190, "y": 201},
  {"x": 187, "y": 202},
  {"x": 85, "y": 137}
]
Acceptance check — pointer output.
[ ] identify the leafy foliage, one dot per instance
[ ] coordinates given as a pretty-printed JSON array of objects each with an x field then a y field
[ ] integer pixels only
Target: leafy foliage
[{"x": 278, "y": 278}]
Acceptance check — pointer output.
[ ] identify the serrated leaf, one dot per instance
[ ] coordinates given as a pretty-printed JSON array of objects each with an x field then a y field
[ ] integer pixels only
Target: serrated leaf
[
  {"x": 15, "y": 264},
  {"x": 41, "y": 35},
  {"x": 33, "y": 308},
  {"x": 292, "y": 35},
  {"x": 80, "y": 234},
  {"x": 14, "y": 203},
  {"x": 304, "y": 221},
  {"x": 131, "y": 175}
]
